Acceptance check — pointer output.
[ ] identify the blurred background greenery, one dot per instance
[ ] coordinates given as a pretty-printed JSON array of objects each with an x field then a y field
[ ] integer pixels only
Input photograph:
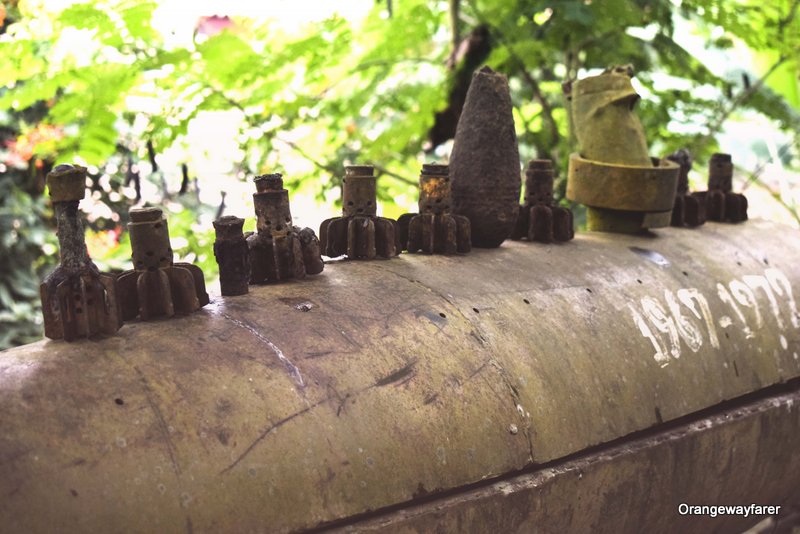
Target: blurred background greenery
[{"x": 179, "y": 104}]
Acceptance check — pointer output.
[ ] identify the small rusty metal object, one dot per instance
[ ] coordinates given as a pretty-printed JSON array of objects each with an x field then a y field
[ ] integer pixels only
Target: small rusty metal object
[
  {"x": 484, "y": 165},
  {"x": 232, "y": 254},
  {"x": 157, "y": 287},
  {"x": 688, "y": 210},
  {"x": 624, "y": 189},
  {"x": 359, "y": 233},
  {"x": 279, "y": 250},
  {"x": 435, "y": 230},
  {"x": 541, "y": 219},
  {"x": 77, "y": 299},
  {"x": 721, "y": 203}
]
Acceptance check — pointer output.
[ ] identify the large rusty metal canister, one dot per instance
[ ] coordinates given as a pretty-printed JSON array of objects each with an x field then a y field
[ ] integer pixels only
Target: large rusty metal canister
[{"x": 594, "y": 388}]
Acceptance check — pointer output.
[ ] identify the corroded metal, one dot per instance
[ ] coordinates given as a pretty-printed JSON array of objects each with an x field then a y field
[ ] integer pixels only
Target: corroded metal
[
  {"x": 484, "y": 164},
  {"x": 359, "y": 233},
  {"x": 540, "y": 218},
  {"x": 279, "y": 250},
  {"x": 434, "y": 230},
  {"x": 232, "y": 254},
  {"x": 721, "y": 203},
  {"x": 744, "y": 455},
  {"x": 77, "y": 299},
  {"x": 383, "y": 383},
  {"x": 157, "y": 287},
  {"x": 688, "y": 210},
  {"x": 623, "y": 188}
]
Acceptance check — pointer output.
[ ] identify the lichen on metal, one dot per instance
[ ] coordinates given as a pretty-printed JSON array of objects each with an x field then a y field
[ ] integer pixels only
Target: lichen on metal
[
  {"x": 540, "y": 218},
  {"x": 279, "y": 250},
  {"x": 623, "y": 188},
  {"x": 359, "y": 233},
  {"x": 156, "y": 286},
  {"x": 434, "y": 230},
  {"x": 77, "y": 299}
]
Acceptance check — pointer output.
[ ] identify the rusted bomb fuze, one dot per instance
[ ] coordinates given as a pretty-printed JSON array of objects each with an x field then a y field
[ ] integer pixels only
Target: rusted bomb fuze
[
  {"x": 435, "y": 230},
  {"x": 484, "y": 164},
  {"x": 231, "y": 252},
  {"x": 540, "y": 219},
  {"x": 359, "y": 233},
  {"x": 688, "y": 210},
  {"x": 279, "y": 250},
  {"x": 721, "y": 203},
  {"x": 157, "y": 287},
  {"x": 624, "y": 189},
  {"x": 77, "y": 300}
]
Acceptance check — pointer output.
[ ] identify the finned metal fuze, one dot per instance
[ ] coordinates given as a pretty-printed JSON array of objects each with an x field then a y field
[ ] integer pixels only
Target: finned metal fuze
[
  {"x": 434, "y": 230},
  {"x": 279, "y": 250},
  {"x": 359, "y": 233},
  {"x": 688, "y": 210},
  {"x": 77, "y": 299},
  {"x": 541, "y": 219},
  {"x": 157, "y": 287},
  {"x": 721, "y": 203}
]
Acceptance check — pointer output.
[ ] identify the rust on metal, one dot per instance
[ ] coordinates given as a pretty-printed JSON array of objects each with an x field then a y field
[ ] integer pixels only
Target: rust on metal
[
  {"x": 157, "y": 287},
  {"x": 77, "y": 299},
  {"x": 279, "y": 250},
  {"x": 623, "y": 188},
  {"x": 359, "y": 233},
  {"x": 232, "y": 254},
  {"x": 721, "y": 203},
  {"x": 381, "y": 381},
  {"x": 688, "y": 210},
  {"x": 434, "y": 230},
  {"x": 540, "y": 218},
  {"x": 484, "y": 164}
]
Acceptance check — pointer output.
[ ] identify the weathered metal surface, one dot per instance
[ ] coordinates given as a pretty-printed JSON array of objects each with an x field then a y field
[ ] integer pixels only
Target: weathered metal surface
[
  {"x": 540, "y": 219},
  {"x": 378, "y": 382},
  {"x": 232, "y": 255},
  {"x": 738, "y": 457},
  {"x": 156, "y": 286},
  {"x": 434, "y": 230},
  {"x": 77, "y": 299},
  {"x": 279, "y": 250},
  {"x": 688, "y": 210},
  {"x": 721, "y": 203},
  {"x": 623, "y": 188},
  {"x": 359, "y": 233},
  {"x": 484, "y": 163}
]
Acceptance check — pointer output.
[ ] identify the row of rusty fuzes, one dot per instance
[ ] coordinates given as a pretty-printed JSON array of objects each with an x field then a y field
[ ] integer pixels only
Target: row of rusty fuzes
[
  {"x": 719, "y": 203},
  {"x": 80, "y": 301},
  {"x": 278, "y": 250}
]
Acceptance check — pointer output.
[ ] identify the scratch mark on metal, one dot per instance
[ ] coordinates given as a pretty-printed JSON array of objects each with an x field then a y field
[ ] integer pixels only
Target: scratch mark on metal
[
  {"x": 292, "y": 368},
  {"x": 162, "y": 423},
  {"x": 398, "y": 375}
]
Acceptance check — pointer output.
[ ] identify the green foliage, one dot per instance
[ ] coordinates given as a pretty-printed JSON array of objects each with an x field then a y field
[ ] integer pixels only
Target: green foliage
[{"x": 343, "y": 92}]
